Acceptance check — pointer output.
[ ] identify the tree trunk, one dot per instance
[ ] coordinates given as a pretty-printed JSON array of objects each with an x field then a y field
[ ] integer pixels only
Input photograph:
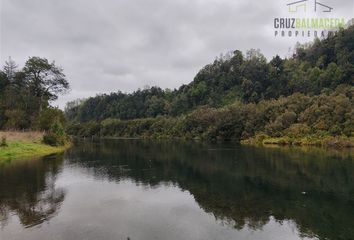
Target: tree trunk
[{"x": 40, "y": 104}]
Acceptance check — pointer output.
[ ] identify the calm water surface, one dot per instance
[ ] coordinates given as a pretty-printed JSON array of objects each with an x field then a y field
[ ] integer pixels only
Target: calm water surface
[{"x": 144, "y": 190}]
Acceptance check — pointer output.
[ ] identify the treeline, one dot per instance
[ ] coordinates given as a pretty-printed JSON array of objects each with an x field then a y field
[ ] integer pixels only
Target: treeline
[
  {"x": 249, "y": 78},
  {"x": 25, "y": 94},
  {"x": 300, "y": 118}
]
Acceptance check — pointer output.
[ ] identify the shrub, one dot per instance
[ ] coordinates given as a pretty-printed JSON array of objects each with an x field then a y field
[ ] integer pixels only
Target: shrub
[
  {"x": 48, "y": 116},
  {"x": 3, "y": 142},
  {"x": 56, "y": 136}
]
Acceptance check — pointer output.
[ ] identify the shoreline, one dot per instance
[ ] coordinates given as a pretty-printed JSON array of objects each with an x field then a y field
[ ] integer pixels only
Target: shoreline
[
  {"x": 332, "y": 142},
  {"x": 338, "y": 142},
  {"x": 26, "y": 145},
  {"x": 18, "y": 150}
]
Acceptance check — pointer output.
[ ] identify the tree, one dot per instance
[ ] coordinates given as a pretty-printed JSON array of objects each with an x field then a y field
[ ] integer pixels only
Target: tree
[
  {"x": 46, "y": 80},
  {"x": 49, "y": 116},
  {"x": 315, "y": 68},
  {"x": 10, "y": 69}
]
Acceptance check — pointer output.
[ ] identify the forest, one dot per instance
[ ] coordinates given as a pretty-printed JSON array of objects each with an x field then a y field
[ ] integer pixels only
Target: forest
[
  {"x": 248, "y": 78},
  {"x": 304, "y": 99}
]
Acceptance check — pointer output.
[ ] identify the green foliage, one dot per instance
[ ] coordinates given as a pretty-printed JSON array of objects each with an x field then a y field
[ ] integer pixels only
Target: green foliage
[
  {"x": 304, "y": 99},
  {"x": 3, "y": 142},
  {"x": 280, "y": 121},
  {"x": 25, "y": 94},
  {"x": 314, "y": 68},
  {"x": 49, "y": 116},
  {"x": 16, "y": 119},
  {"x": 56, "y": 136}
]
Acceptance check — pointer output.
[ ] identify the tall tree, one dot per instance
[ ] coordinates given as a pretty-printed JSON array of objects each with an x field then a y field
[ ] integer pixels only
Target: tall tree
[
  {"x": 10, "y": 69},
  {"x": 46, "y": 80}
]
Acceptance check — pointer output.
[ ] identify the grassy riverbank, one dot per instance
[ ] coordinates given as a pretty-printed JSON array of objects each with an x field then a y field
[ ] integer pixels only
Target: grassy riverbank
[{"x": 26, "y": 145}]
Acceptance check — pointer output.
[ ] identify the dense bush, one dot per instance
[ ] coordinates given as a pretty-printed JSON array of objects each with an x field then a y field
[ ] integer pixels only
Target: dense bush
[
  {"x": 56, "y": 135},
  {"x": 327, "y": 114},
  {"x": 49, "y": 116},
  {"x": 3, "y": 142}
]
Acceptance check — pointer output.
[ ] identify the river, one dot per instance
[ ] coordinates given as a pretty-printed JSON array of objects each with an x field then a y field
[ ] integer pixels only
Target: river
[{"x": 174, "y": 190}]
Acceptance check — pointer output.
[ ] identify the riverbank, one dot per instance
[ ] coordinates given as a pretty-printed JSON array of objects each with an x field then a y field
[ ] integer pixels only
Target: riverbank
[
  {"x": 26, "y": 145},
  {"x": 310, "y": 140},
  {"x": 333, "y": 142}
]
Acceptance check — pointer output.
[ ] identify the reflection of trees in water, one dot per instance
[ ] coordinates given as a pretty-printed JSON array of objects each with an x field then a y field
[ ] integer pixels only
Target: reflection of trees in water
[
  {"x": 243, "y": 186},
  {"x": 28, "y": 190}
]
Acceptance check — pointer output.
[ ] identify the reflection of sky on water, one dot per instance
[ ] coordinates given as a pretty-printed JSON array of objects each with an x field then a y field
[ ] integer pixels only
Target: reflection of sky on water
[{"x": 147, "y": 190}]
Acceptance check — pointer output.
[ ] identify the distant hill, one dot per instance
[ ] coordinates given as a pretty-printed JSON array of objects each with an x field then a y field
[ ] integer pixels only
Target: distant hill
[{"x": 313, "y": 68}]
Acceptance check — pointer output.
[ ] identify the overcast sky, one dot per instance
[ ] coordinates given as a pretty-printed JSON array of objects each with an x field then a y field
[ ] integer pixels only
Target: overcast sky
[{"x": 111, "y": 45}]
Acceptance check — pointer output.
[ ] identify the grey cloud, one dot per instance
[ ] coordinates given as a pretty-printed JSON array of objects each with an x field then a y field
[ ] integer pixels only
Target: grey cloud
[{"x": 111, "y": 45}]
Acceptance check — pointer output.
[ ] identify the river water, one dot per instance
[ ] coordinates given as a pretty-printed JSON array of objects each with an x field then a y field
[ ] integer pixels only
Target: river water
[{"x": 172, "y": 190}]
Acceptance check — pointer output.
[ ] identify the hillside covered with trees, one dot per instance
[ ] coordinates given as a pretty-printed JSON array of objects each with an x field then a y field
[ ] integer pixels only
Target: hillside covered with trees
[{"x": 239, "y": 96}]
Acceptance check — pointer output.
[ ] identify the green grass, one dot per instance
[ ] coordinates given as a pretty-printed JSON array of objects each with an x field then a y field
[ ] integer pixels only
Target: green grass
[{"x": 24, "y": 149}]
